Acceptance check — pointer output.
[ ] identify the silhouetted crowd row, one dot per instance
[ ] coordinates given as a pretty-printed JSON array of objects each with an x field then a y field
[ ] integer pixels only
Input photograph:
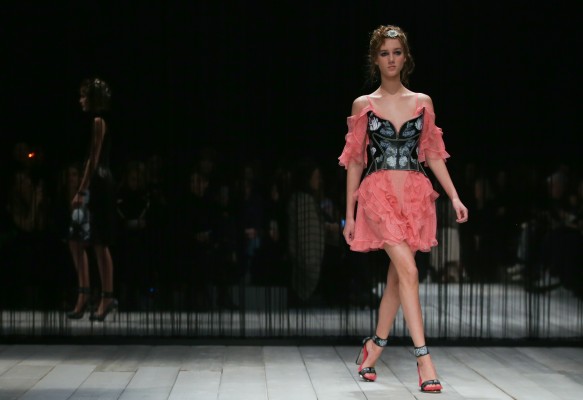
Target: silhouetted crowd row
[{"x": 186, "y": 236}]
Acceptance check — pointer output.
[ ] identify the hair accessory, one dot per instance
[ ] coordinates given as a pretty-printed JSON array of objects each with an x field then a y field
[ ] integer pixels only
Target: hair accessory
[{"x": 391, "y": 33}]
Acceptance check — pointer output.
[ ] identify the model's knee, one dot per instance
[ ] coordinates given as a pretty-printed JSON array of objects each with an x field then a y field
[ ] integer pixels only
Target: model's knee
[
  {"x": 393, "y": 282},
  {"x": 409, "y": 276}
]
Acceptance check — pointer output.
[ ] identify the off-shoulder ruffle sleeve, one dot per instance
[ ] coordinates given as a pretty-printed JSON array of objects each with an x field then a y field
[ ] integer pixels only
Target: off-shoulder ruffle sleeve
[
  {"x": 356, "y": 140},
  {"x": 431, "y": 145}
]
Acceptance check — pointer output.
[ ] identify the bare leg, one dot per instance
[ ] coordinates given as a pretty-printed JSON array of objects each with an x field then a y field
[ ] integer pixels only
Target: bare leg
[
  {"x": 105, "y": 266},
  {"x": 81, "y": 262},
  {"x": 388, "y": 308},
  {"x": 404, "y": 262}
]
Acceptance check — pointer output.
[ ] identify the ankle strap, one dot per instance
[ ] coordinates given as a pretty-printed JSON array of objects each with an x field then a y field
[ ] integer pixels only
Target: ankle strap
[
  {"x": 107, "y": 295},
  {"x": 421, "y": 351},
  {"x": 84, "y": 290},
  {"x": 380, "y": 342}
]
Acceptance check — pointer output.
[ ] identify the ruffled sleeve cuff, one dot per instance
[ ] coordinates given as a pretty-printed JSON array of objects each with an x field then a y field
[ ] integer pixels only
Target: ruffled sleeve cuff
[
  {"x": 356, "y": 140},
  {"x": 431, "y": 145}
]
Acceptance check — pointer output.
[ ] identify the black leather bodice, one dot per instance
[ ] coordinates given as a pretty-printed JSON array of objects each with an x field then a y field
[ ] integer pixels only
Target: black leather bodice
[{"x": 389, "y": 149}]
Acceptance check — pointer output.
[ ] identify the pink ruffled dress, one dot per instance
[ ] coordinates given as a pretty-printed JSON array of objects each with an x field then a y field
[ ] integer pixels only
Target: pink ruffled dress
[{"x": 393, "y": 206}]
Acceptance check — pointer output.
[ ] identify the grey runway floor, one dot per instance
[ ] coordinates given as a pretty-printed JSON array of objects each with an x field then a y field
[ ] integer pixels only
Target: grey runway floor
[{"x": 256, "y": 372}]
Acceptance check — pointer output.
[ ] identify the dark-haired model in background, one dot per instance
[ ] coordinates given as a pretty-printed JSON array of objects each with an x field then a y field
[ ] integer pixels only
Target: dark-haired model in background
[{"x": 93, "y": 206}]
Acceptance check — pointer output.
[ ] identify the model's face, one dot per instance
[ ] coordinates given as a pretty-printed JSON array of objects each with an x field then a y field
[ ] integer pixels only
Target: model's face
[{"x": 391, "y": 58}]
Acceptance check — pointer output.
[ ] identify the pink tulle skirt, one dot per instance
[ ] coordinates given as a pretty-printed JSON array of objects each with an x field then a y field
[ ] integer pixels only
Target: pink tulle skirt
[{"x": 395, "y": 207}]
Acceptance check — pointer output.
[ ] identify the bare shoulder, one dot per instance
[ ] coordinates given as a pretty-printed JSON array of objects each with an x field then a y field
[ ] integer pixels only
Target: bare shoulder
[
  {"x": 99, "y": 125},
  {"x": 425, "y": 101},
  {"x": 98, "y": 121},
  {"x": 359, "y": 104}
]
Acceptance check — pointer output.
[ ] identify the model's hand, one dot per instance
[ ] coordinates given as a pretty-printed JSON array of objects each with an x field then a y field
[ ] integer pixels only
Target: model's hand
[
  {"x": 461, "y": 211},
  {"x": 348, "y": 231}
]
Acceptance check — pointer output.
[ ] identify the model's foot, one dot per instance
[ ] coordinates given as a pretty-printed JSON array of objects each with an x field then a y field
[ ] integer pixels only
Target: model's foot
[
  {"x": 374, "y": 352},
  {"x": 107, "y": 305},
  {"x": 427, "y": 373},
  {"x": 80, "y": 306},
  {"x": 369, "y": 354},
  {"x": 82, "y": 302},
  {"x": 104, "y": 305}
]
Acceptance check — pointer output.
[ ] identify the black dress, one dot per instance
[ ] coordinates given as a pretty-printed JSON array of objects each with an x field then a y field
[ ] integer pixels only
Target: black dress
[{"x": 94, "y": 221}]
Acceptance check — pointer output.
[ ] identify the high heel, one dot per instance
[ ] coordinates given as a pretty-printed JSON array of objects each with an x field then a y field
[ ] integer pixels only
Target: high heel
[
  {"x": 436, "y": 385},
  {"x": 369, "y": 374},
  {"x": 79, "y": 314},
  {"x": 111, "y": 307}
]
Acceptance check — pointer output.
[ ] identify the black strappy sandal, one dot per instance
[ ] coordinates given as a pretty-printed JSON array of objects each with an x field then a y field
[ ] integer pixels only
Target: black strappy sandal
[
  {"x": 79, "y": 314},
  {"x": 112, "y": 306},
  {"x": 420, "y": 352},
  {"x": 369, "y": 374}
]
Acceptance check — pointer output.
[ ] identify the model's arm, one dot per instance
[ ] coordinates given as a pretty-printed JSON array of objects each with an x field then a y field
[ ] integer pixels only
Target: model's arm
[
  {"x": 353, "y": 174},
  {"x": 97, "y": 135},
  {"x": 439, "y": 169}
]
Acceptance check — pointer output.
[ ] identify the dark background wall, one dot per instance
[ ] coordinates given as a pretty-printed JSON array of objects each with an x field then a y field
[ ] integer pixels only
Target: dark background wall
[
  {"x": 276, "y": 80},
  {"x": 274, "y": 83}
]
